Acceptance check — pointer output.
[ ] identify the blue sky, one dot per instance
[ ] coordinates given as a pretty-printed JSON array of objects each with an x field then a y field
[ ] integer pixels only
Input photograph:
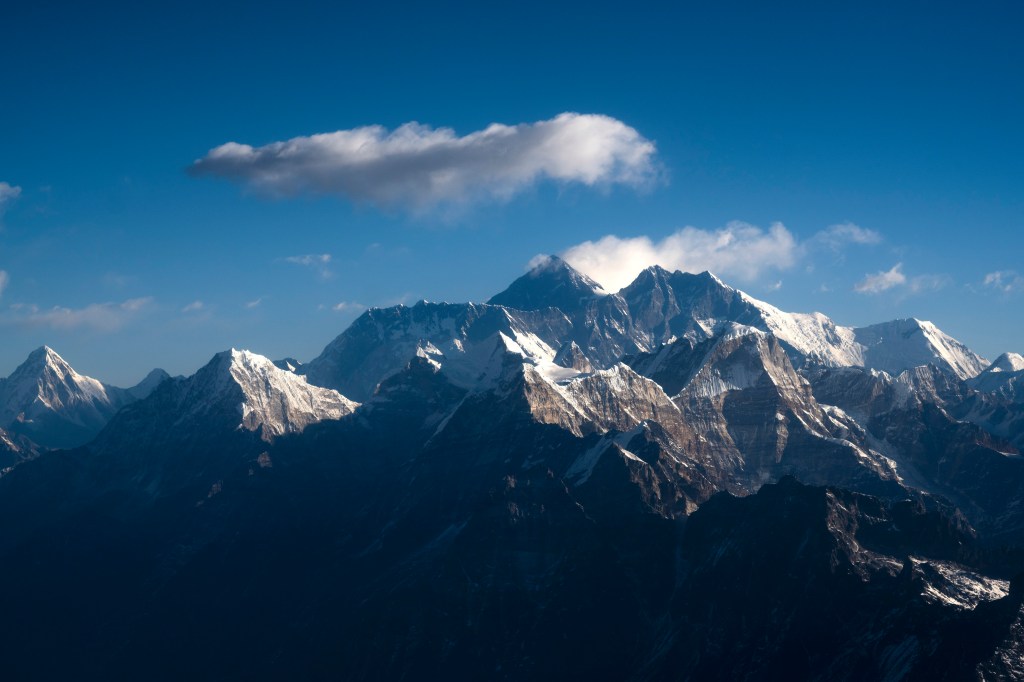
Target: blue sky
[{"x": 122, "y": 254}]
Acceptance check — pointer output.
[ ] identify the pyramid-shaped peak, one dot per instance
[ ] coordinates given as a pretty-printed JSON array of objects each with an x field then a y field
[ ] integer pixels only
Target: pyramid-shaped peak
[
  {"x": 43, "y": 360},
  {"x": 550, "y": 283},
  {"x": 44, "y": 354}
]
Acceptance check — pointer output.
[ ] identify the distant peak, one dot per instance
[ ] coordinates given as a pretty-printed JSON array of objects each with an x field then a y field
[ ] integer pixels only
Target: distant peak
[
  {"x": 43, "y": 352},
  {"x": 550, "y": 283},
  {"x": 707, "y": 274},
  {"x": 1008, "y": 362},
  {"x": 658, "y": 271},
  {"x": 43, "y": 357},
  {"x": 546, "y": 263}
]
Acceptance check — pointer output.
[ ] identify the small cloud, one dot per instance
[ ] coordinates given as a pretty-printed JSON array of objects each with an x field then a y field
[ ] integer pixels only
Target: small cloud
[
  {"x": 1004, "y": 281},
  {"x": 824, "y": 288},
  {"x": 881, "y": 281},
  {"x": 309, "y": 259},
  {"x": 894, "y": 278},
  {"x": 194, "y": 306},
  {"x": 420, "y": 167},
  {"x": 538, "y": 260},
  {"x": 348, "y": 307},
  {"x": 116, "y": 280},
  {"x": 738, "y": 250},
  {"x": 774, "y": 287},
  {"x": 100, "y": 317},
  {"x": 316, "y": 261},
  {"x": 836, "y": 237},
  {"x": 8, "y": 194},
  {"x": 253, "y": 304},
  {"x": 5, "y": 279}
]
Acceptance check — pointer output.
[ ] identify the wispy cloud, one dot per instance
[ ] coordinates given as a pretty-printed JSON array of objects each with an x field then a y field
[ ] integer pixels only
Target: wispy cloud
[
  {"x": 8, "y": 193},
  {"x": 418, "y": 167},
  {"x": 5, "y": 279},
  {"x": 838, "y": 236},
  {"x": 193, "y": 307},
  {"x": 348, "y": 307},
  {"x": 255, "y": 303},
  {"x": 895, "y": 279},
  {"x": 738, "y": 250},
  {"x": 100, "y": 317},
  {"x": 317, "y": 261},
  {"x": 881, "y": 281},
  {"x": 309, "y": 259},
  {"x": 1005, "y": 281}
]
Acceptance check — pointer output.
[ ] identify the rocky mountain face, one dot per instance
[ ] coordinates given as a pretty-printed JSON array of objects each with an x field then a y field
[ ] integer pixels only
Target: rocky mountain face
[
  {"x": 554, "y": 307},
  {"x": 675, "y": 481}
]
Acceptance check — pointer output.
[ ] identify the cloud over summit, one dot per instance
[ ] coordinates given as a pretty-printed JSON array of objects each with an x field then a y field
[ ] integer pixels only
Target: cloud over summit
[
  {"x": 738, "y": 250},
  {"x": 416, "y": 166}
]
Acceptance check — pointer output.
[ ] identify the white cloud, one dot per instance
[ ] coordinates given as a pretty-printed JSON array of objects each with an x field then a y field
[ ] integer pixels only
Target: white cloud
[
  {"x": 836, "y": 237},
  {"x": 738, "y": 250},
  {"x": 348, "y": 307},
  {"x": 194, "y": 306},
  {"x": 4, "y": 281},
  {"x": 101, "y": 317},
  {"x": 895, "y": 279},
  {"x": 8, "y": 193},
  {"x": 253, "y": 304},
  {"x": 309, "y": 259},
  {"x": 923, "y": 283},
  {"x": 419, "y": 167},
  {"x": 881, "y": 281},
  {"x": 318, "y": 261},
  {"x": 1006, "y": 281}
]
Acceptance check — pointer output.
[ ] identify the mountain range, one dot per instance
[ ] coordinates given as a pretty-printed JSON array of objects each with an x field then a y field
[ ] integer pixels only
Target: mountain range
[{"x": 672, "y": 481}]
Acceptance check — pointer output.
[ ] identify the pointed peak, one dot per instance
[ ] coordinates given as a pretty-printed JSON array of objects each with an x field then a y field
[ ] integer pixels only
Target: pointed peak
[
  {"x": 44, "y": 352},
  {"x": 44, "y": 358},
  {"x": 547, "y": 263},
  {"x": 550, "y": 283},
  {"x": 657, "y": 271},
  {"x": 712, "y": 277}
]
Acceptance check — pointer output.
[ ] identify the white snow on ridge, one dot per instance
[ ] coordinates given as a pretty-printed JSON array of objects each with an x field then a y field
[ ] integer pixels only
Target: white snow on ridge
[
  {"x": 277, "y": 400},
  {"x": 813, "y": 334},
  {"x": 891, "y": 346},
  {"x": 956, "y": 586}
]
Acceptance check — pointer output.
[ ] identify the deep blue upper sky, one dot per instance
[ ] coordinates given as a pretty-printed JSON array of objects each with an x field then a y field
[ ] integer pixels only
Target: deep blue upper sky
[{"x": 904, "y": 121}]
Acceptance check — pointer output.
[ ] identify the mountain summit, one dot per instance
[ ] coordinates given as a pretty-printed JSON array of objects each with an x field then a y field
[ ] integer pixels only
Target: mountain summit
[
  {"x": 551, "y": 283},
  {"x": 48, "y": 402}
]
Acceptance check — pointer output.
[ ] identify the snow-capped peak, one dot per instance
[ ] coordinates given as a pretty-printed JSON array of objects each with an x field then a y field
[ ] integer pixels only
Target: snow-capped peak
[
  {"x": 1007, "y": 362},
  {"x": 45, "y": 381},
  {"x": 264, "y": 396},
  {"x": 551, "y": 283},
  {"x": 902, "y": 344}
]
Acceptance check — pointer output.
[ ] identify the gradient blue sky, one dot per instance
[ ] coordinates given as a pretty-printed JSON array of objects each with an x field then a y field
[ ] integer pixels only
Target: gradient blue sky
[{"x": 904, "y": 121}]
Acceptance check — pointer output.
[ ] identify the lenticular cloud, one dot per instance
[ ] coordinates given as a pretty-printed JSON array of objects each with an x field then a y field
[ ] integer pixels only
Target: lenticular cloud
[{"x": 419, "y": 167}]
